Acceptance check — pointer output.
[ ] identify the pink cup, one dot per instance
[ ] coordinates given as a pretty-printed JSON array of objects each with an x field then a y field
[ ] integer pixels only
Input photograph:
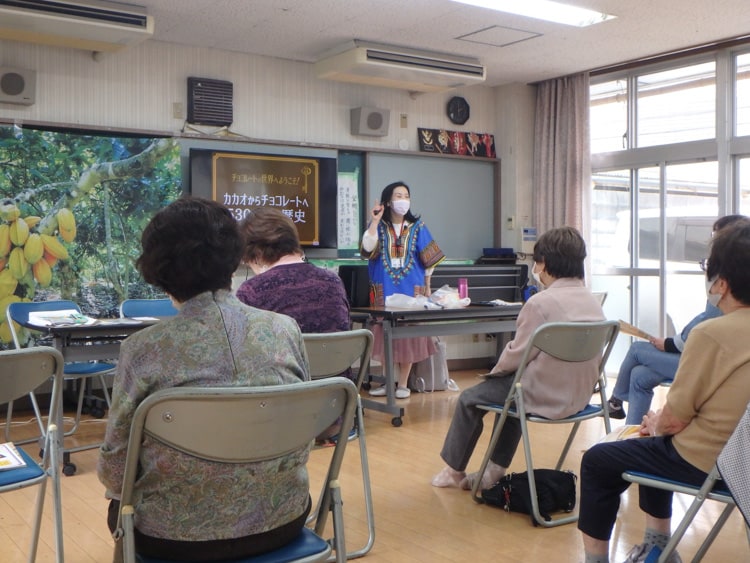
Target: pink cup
[{"x": 463, "y": 288}]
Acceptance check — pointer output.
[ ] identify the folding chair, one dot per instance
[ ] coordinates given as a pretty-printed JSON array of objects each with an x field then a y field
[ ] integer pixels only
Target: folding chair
[
  {"x": 330, "y": 354},
  {"x": 18, "y": 314},
  {"x": 284, "y": 418},
  {"x": 567, "y": 342},
  {"x": 733, "y": 463},
  {"x": 147, "y": 308},
  {"x": 21, "y": 372}
]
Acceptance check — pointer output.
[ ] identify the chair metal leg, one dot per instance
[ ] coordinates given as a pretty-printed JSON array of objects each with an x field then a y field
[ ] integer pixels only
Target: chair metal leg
[
  {"x": 367, "y": 489},
  {"x": 568, "y": 443},
  {"x": 500, "y": 419},
  {"x": 688, "y": 518},
  {"x": 535, "y": 513},
  {"x": 337, "y": 507}
]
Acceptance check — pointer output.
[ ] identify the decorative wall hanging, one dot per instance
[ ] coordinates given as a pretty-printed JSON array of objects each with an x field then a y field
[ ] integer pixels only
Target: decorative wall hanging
[{"x": 456, "y": 142}]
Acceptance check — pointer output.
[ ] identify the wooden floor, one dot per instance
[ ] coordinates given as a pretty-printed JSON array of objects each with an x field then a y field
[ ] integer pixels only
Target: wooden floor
[{"x": 415, "y": 522}]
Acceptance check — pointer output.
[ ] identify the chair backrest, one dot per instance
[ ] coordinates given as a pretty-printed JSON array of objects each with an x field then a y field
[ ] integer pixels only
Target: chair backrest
[
  {"x": 19, "y": 312},
  {"x": 147, "y": 308},
  {"x": 572, "y": 342},
  {"x": 734, "y": 464},
  {"x": 241, "y": 424},
  {"x": 24, "y": 370},
  {"x": 332, "y": 353}
]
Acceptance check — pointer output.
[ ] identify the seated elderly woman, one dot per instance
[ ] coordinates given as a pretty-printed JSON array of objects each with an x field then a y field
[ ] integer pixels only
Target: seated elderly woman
[
  {"x": 558, "y": 266},
  {"x": 191, "y": 248},
  {"x": 283, "y": 281},
  {"x": 683, "y": 439}
]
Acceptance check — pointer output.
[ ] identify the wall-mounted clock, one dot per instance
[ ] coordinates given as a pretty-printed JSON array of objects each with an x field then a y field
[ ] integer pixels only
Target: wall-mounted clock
[{"x": 458, "y": 110}]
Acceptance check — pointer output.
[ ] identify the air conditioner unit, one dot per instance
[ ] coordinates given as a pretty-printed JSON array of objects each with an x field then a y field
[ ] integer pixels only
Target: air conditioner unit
[
  {"x": 398, "y": 67},
  {"x": 92, "y": 25}
]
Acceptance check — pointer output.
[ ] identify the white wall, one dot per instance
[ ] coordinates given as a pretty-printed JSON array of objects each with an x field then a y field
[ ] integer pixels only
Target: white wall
[{"x": 274, "y": 100}]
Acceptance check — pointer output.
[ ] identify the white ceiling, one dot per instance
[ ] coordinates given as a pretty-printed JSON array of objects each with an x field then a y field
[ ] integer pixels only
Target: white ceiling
[{"x": 513, "y": 48}]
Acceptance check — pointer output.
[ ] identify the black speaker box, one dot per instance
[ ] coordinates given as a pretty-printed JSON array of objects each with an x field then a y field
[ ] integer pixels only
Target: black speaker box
[
  {"x": 17, "y": 86},
  {"x": 371, "y": 122},
  {"x": 210, "y": 102}
]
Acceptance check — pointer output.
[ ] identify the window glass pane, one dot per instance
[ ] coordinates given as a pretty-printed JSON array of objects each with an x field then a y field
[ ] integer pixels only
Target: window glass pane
[
  {"x": 610, "y": 231},
  {"x": 743, "y": 95},
  {"x": 692, "y": 209},
  {"x": 677, "y": 105},
  {"x": 608, "y": 116},
  {"x": 649, "y": 219},
  {"x": 744, "y": 182}
]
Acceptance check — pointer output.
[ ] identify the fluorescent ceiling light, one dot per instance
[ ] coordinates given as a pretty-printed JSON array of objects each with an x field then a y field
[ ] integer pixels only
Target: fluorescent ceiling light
[{"x": 543, "y": 10}]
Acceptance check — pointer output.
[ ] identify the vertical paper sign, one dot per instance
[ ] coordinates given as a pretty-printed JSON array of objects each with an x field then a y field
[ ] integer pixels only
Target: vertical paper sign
[
  {"x": 243, "y": 182},
  {"x": 348, "y": 211}
]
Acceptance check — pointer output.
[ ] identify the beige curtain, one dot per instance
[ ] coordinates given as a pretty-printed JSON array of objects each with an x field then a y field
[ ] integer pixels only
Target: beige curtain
[{"x": 561, "y": 183}]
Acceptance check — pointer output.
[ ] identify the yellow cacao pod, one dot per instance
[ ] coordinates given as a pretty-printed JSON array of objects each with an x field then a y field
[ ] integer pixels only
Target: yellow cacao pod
[
  {"x": 42, "y": 273},
  {"x": 17, "y": 263},
  {"x": 9, "y": 211},
  {"x": 54, "y": 247},
  {"x": 32, "y": 220},
  {"x": 8, "y": 283},
  {"x": 4, "y": 240},
  {"x": 5, "y": 336},
  {"x": 19, "y": 232},
  {"x": 66, "y": 223},
  {"x": 33, "y": 250}
]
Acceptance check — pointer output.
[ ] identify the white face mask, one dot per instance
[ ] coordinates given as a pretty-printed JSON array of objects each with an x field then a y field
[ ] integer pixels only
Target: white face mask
[
  {"x": 401, "y": 206},
  {"x": 536, "y": 275},
  {"x": 713, "y": 298}
]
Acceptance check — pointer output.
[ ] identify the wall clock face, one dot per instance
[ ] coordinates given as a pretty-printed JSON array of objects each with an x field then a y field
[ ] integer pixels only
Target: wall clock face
[{"x": 458, "y": 110}]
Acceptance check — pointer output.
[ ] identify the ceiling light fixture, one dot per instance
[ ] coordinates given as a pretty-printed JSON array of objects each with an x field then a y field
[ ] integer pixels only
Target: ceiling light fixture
[{"x": 543, "y": 10}]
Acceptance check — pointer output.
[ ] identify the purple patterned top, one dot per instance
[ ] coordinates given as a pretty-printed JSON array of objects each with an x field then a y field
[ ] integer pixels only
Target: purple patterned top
[
  {"x": 313, "y": 296},
  {"x": 212, "y": 500}
]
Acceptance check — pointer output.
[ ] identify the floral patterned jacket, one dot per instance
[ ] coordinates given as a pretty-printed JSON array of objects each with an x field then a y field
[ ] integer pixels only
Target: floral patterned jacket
[{"x": 177, "y": 496}]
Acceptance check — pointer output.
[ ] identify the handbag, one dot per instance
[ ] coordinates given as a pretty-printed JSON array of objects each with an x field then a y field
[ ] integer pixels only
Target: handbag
[
  {"x": 555, "y": 491},
  {"x": 431, "y": 374}
]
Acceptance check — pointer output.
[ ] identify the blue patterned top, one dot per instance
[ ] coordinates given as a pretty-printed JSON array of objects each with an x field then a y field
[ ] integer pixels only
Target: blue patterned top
[
  {"x": 397, "y": 264},
  {"x": 177, "y": 496}
]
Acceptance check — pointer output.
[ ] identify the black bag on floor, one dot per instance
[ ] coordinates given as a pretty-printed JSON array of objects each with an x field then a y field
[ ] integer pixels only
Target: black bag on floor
[{"x": 555, "y": 490}]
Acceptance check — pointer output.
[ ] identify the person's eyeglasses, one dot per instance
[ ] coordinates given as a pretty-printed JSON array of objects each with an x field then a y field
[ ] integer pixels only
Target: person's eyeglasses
[{"x": 703, "y": 264}]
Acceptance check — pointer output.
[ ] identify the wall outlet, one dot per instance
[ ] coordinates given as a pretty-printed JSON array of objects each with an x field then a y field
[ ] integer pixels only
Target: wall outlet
[
  {"x": 178, "y": 110},
  {"x": 403, "y": 121},
  {"x": 510, "y": 222}
]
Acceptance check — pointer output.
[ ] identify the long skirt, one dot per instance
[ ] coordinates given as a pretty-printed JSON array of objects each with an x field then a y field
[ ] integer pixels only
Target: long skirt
[{"x": 405, "y": 350}]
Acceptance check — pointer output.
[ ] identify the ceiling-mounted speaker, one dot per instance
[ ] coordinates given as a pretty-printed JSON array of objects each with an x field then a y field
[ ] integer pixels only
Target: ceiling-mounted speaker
[
  {"x": 370, "y": 121},
  {"x": 17, "y": 86},
  {"x": 210, "y": 102}
]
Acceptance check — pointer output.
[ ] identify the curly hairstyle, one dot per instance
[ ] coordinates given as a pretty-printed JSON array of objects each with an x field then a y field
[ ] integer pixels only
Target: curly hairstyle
[
  {"x": 563, "y": 251},
  {"x": 191, "y": 246},
  {"x": 269, "y": 235}
]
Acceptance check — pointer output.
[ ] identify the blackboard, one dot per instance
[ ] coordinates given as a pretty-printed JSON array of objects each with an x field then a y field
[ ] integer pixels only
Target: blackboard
[{"x": 455, "y": 197}]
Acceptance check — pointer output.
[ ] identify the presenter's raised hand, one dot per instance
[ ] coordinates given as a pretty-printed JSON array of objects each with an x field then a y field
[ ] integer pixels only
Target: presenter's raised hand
[{"x": 377, "y": 212}]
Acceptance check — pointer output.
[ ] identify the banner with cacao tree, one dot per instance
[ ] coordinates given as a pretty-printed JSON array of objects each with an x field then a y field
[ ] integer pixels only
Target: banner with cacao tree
[{"x": 73, "y": 205}]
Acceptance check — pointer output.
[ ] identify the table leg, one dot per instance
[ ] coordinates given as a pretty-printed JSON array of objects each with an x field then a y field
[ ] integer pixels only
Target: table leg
[{"x": 390, "y": 378}]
